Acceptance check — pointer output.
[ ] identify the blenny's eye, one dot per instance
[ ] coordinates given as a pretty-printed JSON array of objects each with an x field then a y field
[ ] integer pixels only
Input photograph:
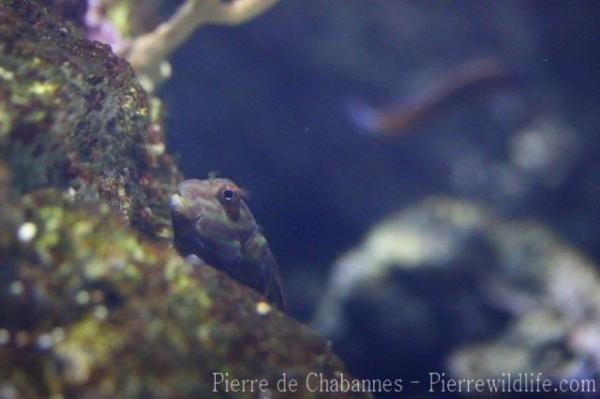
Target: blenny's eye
[{"x": 229, "y": 196}]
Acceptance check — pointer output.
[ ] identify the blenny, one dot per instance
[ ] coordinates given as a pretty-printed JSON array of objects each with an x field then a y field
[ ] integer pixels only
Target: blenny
[{"x": 212, "y": 221}]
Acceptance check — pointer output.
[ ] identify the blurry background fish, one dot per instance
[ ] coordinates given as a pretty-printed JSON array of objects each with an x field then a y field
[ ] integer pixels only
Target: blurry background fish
[{"x": 471, "y": 80}]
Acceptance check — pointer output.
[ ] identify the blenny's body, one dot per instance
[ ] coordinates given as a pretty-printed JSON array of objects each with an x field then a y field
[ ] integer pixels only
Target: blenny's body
[{"x": 211, "y": 220}]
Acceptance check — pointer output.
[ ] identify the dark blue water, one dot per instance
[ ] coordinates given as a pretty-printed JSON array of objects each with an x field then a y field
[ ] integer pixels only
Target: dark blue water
[{"x": 265, "y": 105}]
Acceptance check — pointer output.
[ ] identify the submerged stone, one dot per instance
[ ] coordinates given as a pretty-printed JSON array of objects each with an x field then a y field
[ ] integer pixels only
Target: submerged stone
[{"x": 92, "y": 302}]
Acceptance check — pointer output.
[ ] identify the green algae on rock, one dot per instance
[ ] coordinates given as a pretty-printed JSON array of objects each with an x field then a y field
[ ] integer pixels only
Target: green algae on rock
[
  {"x": 90, "y": 307},
  {"x": 91, "y": 303},
  {"x": 73, "y": 115}
]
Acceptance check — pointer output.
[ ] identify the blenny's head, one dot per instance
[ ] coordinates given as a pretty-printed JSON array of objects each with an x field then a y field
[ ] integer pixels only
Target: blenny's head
[
  {"x": 206, "y": 197},
  {"x": 210, "y": 214}
]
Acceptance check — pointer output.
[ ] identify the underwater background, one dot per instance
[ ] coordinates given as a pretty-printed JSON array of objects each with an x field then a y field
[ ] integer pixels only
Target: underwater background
[
  {"x": 266, "y": 105},
  {"x": 425, "y": 172}
]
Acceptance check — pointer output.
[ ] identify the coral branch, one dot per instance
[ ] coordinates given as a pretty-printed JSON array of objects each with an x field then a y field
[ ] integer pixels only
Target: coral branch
[
  {"x": 237, "y": 12},
  {"x": 148, "y": 52}
]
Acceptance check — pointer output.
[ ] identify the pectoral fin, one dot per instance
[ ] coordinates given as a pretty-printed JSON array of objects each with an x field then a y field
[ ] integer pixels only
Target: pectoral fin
[{"x": 259, "y": 270}]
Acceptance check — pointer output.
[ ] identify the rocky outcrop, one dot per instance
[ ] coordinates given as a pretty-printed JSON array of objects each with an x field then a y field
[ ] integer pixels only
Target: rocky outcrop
[{"x": 93, "y": 301}]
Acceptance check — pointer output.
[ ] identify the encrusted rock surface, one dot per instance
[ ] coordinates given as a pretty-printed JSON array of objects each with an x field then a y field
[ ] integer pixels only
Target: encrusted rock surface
[
  {"x": 74, "y": 116},
  {"x": 93, "y": 303}
]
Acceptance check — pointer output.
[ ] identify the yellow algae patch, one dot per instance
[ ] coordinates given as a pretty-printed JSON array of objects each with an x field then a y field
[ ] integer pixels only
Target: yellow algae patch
[
  {"x": 42, "y": 88},
  {"x": 87, "y": 344}
]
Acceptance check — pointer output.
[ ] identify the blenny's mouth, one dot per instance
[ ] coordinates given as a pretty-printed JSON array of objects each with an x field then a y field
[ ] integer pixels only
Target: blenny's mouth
[
  {"x": 182, "y": 208},
  {"x": 177, "y": 203}
]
